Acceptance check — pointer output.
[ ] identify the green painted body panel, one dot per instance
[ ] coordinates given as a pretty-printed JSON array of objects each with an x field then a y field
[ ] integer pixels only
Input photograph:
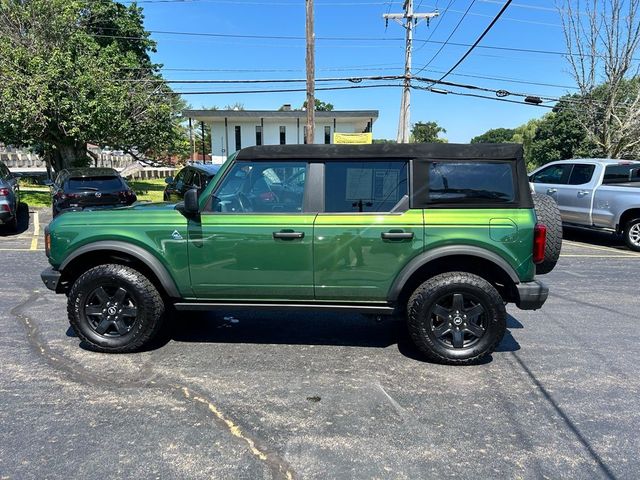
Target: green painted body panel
[
  {"x": 235, "y": 256},
  {"x": 353, "y": 262},
  {"x": 507, "y": 232},
  {"x": 147, "y": 225}
]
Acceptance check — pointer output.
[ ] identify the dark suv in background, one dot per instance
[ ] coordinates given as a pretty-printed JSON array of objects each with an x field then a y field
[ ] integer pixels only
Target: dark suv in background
[
  {"x": 89, "y": 187},
  {"x": 195, "y": 176},
  {"x": 9, "y": 198}
]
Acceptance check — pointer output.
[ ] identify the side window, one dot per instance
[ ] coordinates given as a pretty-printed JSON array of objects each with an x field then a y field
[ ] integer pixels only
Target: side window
[
  {"x": 195, "y": 180},
  {"x": 3, "y": 171},
  {"x": 554, "y": 174},
  {"x": 471, "y": 182},
  {"x": 581, "y": 174},
  {"x": 352, "y": 187},
  {"x": 179, "y": 180},
  {"x": 262, "y": 187}
]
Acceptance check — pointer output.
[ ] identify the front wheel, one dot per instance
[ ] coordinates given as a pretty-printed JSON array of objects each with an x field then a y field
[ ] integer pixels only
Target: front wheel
[
  {"x": 114, "y": 308},
  {"x": 632, "y": 234},
  {"x": 456, "y": 318}
]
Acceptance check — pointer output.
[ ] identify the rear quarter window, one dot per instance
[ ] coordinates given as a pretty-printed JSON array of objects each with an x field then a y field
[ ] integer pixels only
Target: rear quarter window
[{"x": 471, "y": 182}]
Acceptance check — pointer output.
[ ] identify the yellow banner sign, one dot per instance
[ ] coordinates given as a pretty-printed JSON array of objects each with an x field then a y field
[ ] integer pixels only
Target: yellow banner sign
[{"x": 352, "y": 138}]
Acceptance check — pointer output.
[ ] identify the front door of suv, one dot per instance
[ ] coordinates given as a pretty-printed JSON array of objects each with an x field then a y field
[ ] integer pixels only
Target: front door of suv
[
  {"x": 366, "y": 233},
  {"x": 255, "y": 241}
]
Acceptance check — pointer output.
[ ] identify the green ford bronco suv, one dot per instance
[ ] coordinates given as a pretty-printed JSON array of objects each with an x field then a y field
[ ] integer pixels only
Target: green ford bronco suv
[{"x": 444, "y": 235}]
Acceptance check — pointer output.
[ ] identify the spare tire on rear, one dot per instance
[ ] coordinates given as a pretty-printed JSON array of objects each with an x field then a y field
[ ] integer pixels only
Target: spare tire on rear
[{"x": 549, "y": 215}]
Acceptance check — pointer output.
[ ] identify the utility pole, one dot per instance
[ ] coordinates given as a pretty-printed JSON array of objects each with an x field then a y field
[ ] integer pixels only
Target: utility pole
[
  {"x": 409, "y": 20},
  {"x": 311, "y": 74}
]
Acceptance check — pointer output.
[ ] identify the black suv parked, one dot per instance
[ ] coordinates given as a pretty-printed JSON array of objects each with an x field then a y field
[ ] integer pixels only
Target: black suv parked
[
  {"x": 195, "y": 176},
  {"x": 9, "y": 198},
  {"x": 90, "y": 187}
]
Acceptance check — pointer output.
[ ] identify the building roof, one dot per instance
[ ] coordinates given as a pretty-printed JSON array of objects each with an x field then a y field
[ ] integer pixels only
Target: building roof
[{"x": 239, "y": 115}]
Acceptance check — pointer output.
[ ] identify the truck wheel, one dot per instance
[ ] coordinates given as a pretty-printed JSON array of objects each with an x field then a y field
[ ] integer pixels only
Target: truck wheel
[
  {"x": 632, "y": 234},
  {"x": 456, "y": 318},
  {"x": 549, "y": 215},
  {"x": 115, "y": 308}
]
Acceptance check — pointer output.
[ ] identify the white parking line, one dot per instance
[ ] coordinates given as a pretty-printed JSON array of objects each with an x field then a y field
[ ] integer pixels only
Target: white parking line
[{"x": 605, "y": 249}]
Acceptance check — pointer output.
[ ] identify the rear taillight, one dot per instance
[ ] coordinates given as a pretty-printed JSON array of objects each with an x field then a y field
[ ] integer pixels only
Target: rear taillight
[
  {"x": 539, "y": 242},
  {"x": 5, "y": 208},
  {"x": 4, "y": 192},
  {"x": 47, "y": 242}
]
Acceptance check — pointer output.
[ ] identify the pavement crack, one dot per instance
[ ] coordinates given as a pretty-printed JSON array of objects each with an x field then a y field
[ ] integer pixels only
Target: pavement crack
[{"x": 279, "y": 468}]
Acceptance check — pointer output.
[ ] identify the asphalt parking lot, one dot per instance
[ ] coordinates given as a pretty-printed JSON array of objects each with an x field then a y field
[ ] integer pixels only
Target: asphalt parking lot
[{"x": 269, "y": 395}]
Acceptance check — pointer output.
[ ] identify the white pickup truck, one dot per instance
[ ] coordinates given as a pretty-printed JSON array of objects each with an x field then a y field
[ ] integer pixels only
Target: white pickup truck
[{"x": 595, "y": 193}]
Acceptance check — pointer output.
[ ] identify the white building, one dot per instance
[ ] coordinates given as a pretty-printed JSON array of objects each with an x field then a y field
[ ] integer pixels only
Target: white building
[{"x": 232, "y": 130}]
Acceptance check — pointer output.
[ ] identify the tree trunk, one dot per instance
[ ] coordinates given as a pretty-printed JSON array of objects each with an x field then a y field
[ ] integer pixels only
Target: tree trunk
[{"x": 68, "y": 154}]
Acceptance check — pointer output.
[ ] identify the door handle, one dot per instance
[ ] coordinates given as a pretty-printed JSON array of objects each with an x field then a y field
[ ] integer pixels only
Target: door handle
[
  {"x": 583, "y": 193},
  {"x": 551, "y": 190},
  {"x": 396, "y": 235},
  {"x": 288, "y": 235}
]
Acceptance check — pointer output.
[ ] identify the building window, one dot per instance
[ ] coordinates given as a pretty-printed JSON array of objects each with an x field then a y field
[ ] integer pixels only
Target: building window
[
  {"x": 327, "y": 135},
  {"x": 283, "y": 135},
  {"x": 258, "y": 135},
  {"x": 304, "y": 134},
  {"x": 238, "y": 137}
]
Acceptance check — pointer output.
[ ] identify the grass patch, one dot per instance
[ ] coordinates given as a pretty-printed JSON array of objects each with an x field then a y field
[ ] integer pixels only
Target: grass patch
[
  {"x": 35, "y": 198},
  {"x": 148, "y": 190}
]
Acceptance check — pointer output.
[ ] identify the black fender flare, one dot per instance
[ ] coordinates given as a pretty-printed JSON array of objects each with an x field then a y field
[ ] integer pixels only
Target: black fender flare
[
  {"x": 447, "y": 251},
  {"x": 139, "y": 253}
]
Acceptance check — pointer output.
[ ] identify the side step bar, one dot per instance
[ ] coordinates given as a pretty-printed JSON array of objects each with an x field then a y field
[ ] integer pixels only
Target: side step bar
[{"x": 380, "y": 309}]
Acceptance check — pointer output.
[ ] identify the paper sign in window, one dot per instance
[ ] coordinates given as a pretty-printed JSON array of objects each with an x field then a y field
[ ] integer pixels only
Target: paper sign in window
[
  {"x": 359, "y": 181},
  {"x": 385, "y": 187}
]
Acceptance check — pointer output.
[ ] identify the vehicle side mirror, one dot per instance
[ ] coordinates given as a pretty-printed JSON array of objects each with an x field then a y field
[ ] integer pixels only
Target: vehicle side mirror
[
  {"x": 168, "y": 180},
  {"x": 191, "y": 205}
]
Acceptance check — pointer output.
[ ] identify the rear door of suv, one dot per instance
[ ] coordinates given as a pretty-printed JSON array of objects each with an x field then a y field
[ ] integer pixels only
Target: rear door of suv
[{"x": 365, "y": 233}]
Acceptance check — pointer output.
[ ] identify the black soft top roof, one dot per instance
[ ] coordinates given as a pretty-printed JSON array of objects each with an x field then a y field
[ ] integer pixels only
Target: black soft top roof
[{"x": 440, "y": 151}]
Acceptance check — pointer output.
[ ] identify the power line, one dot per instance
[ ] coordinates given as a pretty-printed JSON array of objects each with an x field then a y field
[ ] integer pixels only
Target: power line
[
  {"x": 347, "y": 39},
  {"x": 475, "y": 44},
  {"x": 284, "y": 90},
  {"x": 444, "y": 44}
]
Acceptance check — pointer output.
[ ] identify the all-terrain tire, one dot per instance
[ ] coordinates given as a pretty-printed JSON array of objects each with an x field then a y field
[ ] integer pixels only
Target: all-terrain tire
[
  {"x": 632, "y": 234},
  {"x": 431, "y": 296},
  {"x": 549, "y": 215},
  {"x": 108, "y": 282}
]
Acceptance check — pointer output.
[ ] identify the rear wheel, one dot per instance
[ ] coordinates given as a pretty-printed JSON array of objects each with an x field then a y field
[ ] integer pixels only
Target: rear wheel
[
  {"x": 456, "y": 318},
  {"x": 632, "y": 234},
  {"x": 115, "y": 308},
  {"x": 549, "y": 215}
]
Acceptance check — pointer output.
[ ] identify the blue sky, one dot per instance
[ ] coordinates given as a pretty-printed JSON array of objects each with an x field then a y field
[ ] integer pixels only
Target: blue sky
[{"x": 527, "y": 24}]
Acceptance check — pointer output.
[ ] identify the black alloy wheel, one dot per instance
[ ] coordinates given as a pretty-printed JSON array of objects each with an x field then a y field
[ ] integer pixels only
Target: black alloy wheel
[
  {"x": 458, "y": 320},
  {"x": 115, "y": 308},
  {"x": 111, "y": 311}
]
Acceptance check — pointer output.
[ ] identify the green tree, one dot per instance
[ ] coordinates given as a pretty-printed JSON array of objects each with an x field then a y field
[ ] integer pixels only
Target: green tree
[
  {"x": 560, "y": 135},
  {"x": 74, "y": 72},
  {"x": 495, "y": 135},
  {"x": 427, "y": 132},
  {"x": 320, "y": 106}
]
